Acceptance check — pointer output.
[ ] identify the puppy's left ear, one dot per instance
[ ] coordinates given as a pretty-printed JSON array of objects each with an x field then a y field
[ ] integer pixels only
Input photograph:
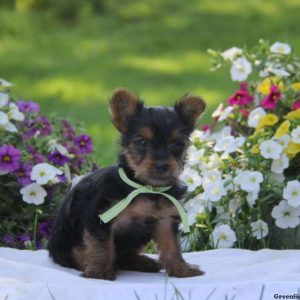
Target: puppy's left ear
[{"x": 190, "y": 108}]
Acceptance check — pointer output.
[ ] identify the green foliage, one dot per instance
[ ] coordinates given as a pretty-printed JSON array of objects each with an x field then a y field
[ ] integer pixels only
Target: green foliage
[{"x": 157, "y": 48}]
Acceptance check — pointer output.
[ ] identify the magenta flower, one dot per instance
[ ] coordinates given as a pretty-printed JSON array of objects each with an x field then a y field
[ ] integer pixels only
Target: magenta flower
[
  {"x": 9, "y": 158},
  {"x": 67, "y": 130},
  {"x": 296, "y": 105},
  {"x": 57, "y": 158},
  {"x": 84, "y": 143},
  {"x": 241, "y": 97},
  {"x": 28, "y": 106},
  {"x": 205, "y": 128},
  {"x": 270, "y": 101},
  {"x": 23, "y": 174}
]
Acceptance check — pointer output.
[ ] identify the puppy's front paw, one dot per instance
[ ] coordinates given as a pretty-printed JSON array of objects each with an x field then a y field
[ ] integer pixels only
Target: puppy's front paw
[
  {"x": 184, "y": 270},
  {"x": 106, "y": 275}
]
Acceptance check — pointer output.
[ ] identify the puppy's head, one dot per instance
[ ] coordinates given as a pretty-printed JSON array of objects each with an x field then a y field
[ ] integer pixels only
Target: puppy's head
[{"x": 154, "y": 139}]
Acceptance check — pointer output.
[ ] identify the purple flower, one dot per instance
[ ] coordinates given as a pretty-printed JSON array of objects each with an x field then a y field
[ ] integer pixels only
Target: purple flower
[
  {"x": 24, "y": 237},
  {"x": 45, "y": 229},
  {"x": 62, "y": 178},
  {"x": 23, "y": 174},
  {"x": 39, "y": 158},
  {"x": 58, "y": 158},
  {"x": 67, "y": 130},
  {"x": 28, "y": 106},
  {"x": 9, "y": 240},
  {"x": 84, "y": 143},
  {"x": 9, "y": 158},
  {"x": 40, "y": 126}
]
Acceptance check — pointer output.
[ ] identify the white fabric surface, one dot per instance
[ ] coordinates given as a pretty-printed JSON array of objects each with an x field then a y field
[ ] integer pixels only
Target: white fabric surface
[{"x": 231, "y": 273}]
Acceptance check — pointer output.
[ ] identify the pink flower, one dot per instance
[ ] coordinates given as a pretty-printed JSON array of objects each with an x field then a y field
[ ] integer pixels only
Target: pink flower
[
  {"x": 241, "y": 97},
  {"x": 244, "y": 112},
  {"x": 270, "y": 101},
  {"x": 296, "y": 105},
  {"x": 205, "y": 128}
]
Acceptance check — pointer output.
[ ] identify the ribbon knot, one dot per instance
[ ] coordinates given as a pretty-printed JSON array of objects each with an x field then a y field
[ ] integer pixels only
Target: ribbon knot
[{"x": 142, "y": 189}]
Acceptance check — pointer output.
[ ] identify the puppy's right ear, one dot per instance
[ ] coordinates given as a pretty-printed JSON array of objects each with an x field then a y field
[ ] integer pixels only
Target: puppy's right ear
[{"x": 123, "y": 106}]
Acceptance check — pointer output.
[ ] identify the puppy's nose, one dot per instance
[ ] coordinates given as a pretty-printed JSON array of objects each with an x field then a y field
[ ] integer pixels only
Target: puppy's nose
[{"x": 161, "y": 167}]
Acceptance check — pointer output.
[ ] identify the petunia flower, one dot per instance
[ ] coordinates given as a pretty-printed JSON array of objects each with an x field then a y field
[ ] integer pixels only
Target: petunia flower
[
  {"x": 9, "y": 158},
  {"x": 191, "y": 178},
  {"x": 241, "y": 68},
  {"x": 255, "y": 116},
  {"x": 23, "y": 174},
  {"x": 84, "y": 143},
  {"x": 270, "y": 101},
  {"x": 270, "y": 149},
  {"x": 296, "y": 105},
  {"x": 58, "y": 158},
  {"x": 28, "y": 106},
  {"x": 241, "y": 97},
  {"x": 259, "y": 229},
  {"x": 33, "y": 194},
  {"x": 223, "y": 237},
  {"x": 285, "y": 215},
  {"x": 281, "y": 48},
  {"x": 291, "y": 193}
]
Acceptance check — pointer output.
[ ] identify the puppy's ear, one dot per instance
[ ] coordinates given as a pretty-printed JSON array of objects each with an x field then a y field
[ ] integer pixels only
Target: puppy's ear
[
  {"x": 123, "y": 106},
  {"x": 190, "y": 108}
]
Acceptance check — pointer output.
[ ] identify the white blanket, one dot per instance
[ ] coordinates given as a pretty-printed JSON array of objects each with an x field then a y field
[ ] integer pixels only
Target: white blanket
[{"x": 230, "y": 274}]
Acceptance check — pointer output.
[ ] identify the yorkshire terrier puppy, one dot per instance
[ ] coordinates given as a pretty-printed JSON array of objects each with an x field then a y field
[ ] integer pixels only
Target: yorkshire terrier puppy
[{"x": 153, "y": 142}]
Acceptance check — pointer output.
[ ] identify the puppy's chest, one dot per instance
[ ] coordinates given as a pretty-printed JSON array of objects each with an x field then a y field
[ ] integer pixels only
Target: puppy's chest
[{"x": 143, "y": 208}]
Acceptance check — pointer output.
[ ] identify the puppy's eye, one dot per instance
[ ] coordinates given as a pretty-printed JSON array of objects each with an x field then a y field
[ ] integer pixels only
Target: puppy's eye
[
  {"x": 141, "y": 142},
  {"x": 176, "y": 145}
]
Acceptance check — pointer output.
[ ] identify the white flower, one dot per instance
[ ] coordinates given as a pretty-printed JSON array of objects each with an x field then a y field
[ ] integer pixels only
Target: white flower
[
  {"x": 53, "y": 145},
  {"x": 218, "y": 111},
  {"x": 9, "y": 127},
  {"x": 263, "y": 73},
  {"x": 3, "y": 99},
  {"x": 196, "y": 157},
  {"x": 33, "y": 194},
  {"x": 279, "y": 165},
  {"x": 255, "y": 115},
  {"x": 249, "y": 181},
  {"x": 229, "y": 144},
  {"x": 191, "y": 178},
  {"x": 291, "y": 193},
  {"x": 278, "y": 72},
  {"x": 284, "y": 140},
  {"x": 5, "y": 83},
  {"x": 198, "y": 136},
  {"x": 231, "y": 53},
  {"x": 3, "y": 118},
  {"x": 240, "y": 69},
  {"x": 296, "y": 135},
  {"x": 223, "y": 237},
  {"x": 260, "y": 229},
  {"x": 214, "y": 192},
  {"x": 281, "y": 48},
  {"x": 43, "y": 173},
  {"x": 225, "y": 113},
  {"x": 270, "y": 149},
  {"x": 286, "y": 216},
  {"x": 252, "y": 197},
  {"x": 235, "y": 204},
  {"x": 14, "y": 113},
  {"x": 211, "y": 177}
]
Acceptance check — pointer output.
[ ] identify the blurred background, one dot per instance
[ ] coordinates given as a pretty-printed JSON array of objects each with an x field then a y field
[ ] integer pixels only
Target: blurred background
[{"x": 69, "y": 55}]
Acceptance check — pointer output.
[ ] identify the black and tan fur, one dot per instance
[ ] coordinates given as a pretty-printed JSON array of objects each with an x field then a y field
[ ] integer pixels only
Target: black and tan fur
[{"x": 153, "y": 147}]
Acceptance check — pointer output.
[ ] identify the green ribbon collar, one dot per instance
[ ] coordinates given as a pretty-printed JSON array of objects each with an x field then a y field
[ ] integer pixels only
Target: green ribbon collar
[{"x": 142, "y": 189}]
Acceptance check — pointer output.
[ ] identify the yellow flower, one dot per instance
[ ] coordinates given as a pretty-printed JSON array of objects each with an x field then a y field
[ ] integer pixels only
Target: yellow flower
[
  {"x": 296, "y": 86},
  {"x": 264, "y": 86},
  {"x": 292, "y": 149},
  {"x": 293, "y": 115},
  {"x": 267, "y": 120},
  {"x": 282, "y": 129},
  {"x": 255, "y": 149}
]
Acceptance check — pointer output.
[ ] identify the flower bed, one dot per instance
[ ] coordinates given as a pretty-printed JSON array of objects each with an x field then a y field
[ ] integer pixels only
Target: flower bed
[
  {"x": 243, "y": 169},
  {"x": 38, "y": 159}
]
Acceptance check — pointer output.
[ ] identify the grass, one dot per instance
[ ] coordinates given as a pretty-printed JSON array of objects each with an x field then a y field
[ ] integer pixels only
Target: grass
[{"x": 157, "y": 49}]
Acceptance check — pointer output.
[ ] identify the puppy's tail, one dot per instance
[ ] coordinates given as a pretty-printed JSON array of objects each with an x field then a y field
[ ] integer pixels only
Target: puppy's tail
[{"x": 62, "y": 238}]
